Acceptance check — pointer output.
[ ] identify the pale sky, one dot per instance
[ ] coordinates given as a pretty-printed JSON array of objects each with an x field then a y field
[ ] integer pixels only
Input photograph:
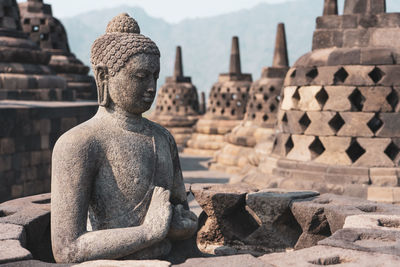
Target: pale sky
[{"x": 170, "y": 10}]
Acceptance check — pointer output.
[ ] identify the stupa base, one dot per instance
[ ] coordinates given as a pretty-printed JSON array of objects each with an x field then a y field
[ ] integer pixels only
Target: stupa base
[
  {"x": 240, "y": 151},
  {"x": 209, "y": 136},
  {"x": 377, "y": 184}
]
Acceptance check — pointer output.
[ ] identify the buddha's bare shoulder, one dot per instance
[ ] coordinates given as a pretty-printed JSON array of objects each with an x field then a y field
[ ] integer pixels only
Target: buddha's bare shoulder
[
  {"x": 83, "y": 138},
  {"x": 161, "y": 131}
]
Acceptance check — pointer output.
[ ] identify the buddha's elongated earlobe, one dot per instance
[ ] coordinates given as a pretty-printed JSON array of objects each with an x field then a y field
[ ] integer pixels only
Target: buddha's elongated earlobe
[{"x": 102, "y": 85}]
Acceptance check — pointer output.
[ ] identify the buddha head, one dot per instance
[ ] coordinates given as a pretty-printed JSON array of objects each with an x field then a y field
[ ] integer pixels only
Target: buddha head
[{"x": 126, "y": 66}]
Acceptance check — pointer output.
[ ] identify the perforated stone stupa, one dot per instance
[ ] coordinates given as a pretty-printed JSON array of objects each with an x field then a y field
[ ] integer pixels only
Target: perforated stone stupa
[
  {"x": 49, "y": 33},
  {"x": 260, "y": 118},
  {"x": 339, "y": 117},
  {"x": 225, "y": 110},
  {"x": 177, "y": 106},
  {"x": 24, "y": 73}
]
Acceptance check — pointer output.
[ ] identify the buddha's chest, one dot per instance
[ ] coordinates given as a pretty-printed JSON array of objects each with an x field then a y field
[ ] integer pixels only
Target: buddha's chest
[{"x": 133, "y": 164}]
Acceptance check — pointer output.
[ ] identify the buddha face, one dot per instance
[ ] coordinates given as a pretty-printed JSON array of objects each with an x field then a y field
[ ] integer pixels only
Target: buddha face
[{"x": 133, "y": 88}]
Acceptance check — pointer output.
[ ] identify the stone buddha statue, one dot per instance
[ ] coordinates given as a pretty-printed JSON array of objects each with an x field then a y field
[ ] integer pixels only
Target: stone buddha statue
[{"x": 119, "y": 171}]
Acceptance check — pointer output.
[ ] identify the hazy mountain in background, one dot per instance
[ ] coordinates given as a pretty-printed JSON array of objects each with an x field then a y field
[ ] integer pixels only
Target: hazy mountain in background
[{"x": 206, "y": 41}]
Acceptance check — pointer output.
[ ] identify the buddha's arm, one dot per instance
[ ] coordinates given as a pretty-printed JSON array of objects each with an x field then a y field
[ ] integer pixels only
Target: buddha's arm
[
  {"x": 184, "y": 222},
  {"x": 73, "y": 170}
]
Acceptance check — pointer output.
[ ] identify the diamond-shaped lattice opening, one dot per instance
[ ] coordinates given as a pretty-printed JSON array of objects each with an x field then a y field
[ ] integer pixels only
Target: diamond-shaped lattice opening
[
  {"x": 272, "y": 108},
  {"x": 296, "y": 95},
  {"x": 316, "y": 148},
  {"x": 322, "y": 97},
  {"x": 336, "y": 123},
  {"x": 265, "y": 117},
  {"x": 340, "y": 76},
  {"x": 355, "y": 151},
  {"x": 265, "y": 97},
  {"x": 271, "y": 89},
  {"x": 376, "y": 74},
  {"x": 393, "y": 99},
  {"x": 311, "y": 74},
  {"x": 259, "y": 107},
  {"x": 289, "y": 145},
  {"x": 392, "y": 151},
  {"x": 357, "y": 100},
  {"x": 304, "y": 121},
  {"x": 375, "y": 123},
  {"x": 284, "y": 118}
]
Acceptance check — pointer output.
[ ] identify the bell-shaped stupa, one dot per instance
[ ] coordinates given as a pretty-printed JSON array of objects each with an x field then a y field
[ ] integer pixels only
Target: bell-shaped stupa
[
  {"x": 258, "y": 126},
  {"x": 225, "y": 110},
  {"x": 177, "y": 106},
  {"x": 48, "y": 32},
  {"x": 339, "y": 115},
  {"x": 24, "y": 70}
]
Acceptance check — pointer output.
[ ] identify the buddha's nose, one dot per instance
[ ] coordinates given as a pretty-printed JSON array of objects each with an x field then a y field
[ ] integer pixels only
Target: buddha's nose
[{"x": 152, "y": 86}]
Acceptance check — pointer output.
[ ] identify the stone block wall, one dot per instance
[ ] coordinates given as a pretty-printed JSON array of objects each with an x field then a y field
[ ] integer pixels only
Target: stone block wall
[{"x": 28, "y": 132}]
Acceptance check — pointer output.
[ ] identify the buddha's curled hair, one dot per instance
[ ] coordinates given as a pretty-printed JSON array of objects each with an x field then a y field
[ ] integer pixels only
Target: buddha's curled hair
[{"x": 121, "y": 41}]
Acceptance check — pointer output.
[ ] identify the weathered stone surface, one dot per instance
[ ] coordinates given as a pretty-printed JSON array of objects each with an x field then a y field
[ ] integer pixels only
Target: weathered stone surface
[
  {"x": 278, "y": 228},
  {"x": 301, "y": 149},
  {"x": 326, "y": 214},
  {"x": 128, "y": 263},
  {"x": 320, "y": 125},
  {"x": 11, "y": 250},
  {"x": 225, "y": 217},
  {"x": 370, "y": 221},
  {"x": 355, "y": 124},
  {"x": 364, "y": 7},
  {"x": 368, "y": 240},
  {"x": 12, "y": 231},
  {"x": 338, "y": 98},
  {"x": 96, "y": 263},
  {"x": 289, "y": 100},
  {"x": 325, "y": 255},
  {"x": 335, "y": 150},
  {"x": 385, "y": 176},
  {"x": 389, "y": 127},
  {"x": 234, "y": 261},
  {"x": 374, "y": 155},
  {"x": 384, "y": 194}
]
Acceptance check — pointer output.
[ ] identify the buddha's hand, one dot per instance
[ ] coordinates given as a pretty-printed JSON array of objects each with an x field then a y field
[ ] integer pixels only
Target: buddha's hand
[
  {"x": 183, "y": 224},
  {"x": 159, "y": 214}
]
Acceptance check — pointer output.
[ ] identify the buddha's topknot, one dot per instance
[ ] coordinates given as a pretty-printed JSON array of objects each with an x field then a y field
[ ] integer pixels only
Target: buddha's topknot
[
  {"x": 123, "y": 23},
  {"x": 121, "y": 41}
]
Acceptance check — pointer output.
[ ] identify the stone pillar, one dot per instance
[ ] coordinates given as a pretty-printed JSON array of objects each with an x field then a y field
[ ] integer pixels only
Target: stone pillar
[
  {"x": 330, "y": 7},
  {"x": 178, "y": 67},
  {"x": 234, "y": 65}
]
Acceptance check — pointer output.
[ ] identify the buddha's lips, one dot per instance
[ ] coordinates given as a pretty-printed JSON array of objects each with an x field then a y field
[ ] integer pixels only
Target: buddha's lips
[{"x": 148, "y": 97}]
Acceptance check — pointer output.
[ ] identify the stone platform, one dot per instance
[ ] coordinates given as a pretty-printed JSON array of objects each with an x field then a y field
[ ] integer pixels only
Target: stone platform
[{"x": 323, "y": 230}]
